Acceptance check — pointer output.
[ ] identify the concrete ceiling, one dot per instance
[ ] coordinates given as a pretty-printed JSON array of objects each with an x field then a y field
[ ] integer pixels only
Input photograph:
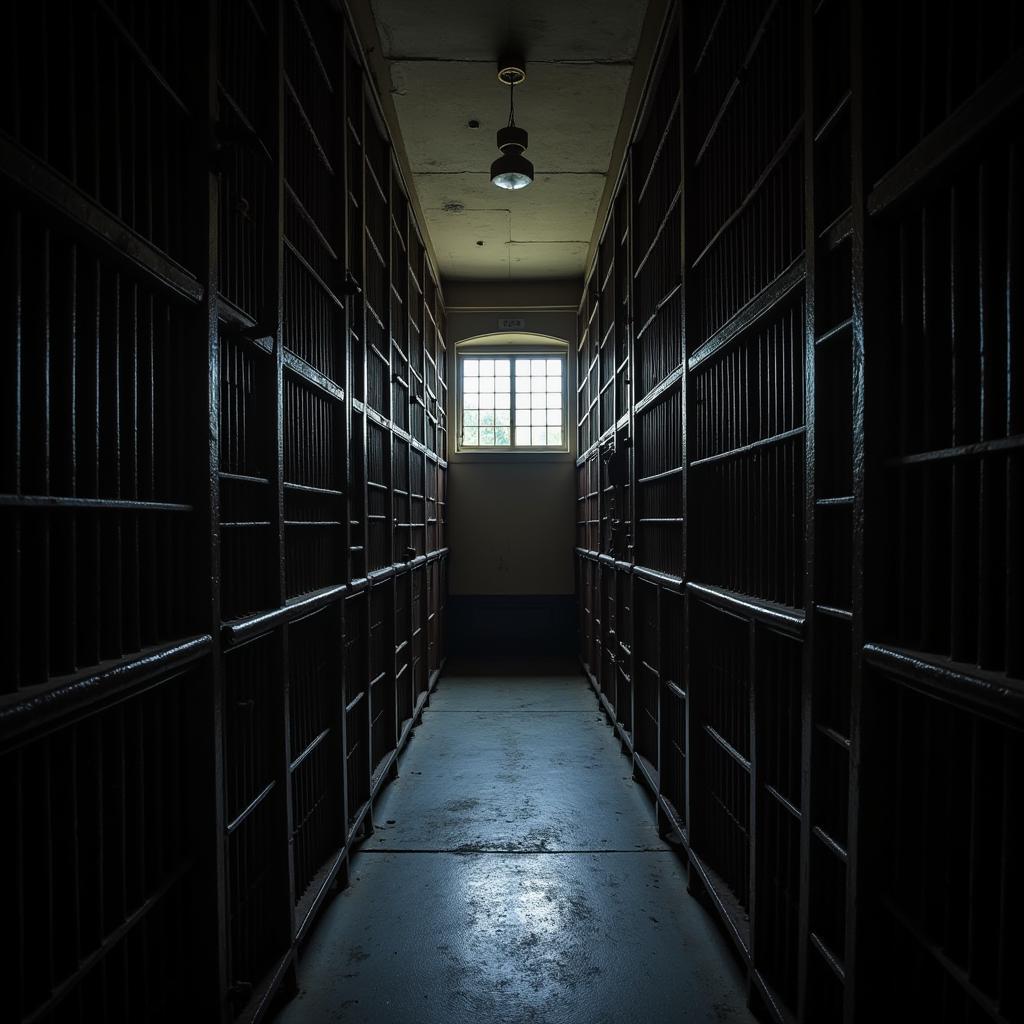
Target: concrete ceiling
[{"x": 442, "y": 59}]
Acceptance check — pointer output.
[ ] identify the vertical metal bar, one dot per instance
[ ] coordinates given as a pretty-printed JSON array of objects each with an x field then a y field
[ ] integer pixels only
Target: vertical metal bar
[
  {"x": 808, "y": 650},
  {"x": 867, "y": 597}
]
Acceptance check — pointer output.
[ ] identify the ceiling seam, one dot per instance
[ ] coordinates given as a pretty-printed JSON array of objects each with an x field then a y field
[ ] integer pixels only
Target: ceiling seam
[
  {"x": 483, "y": 170},
  {"x": 582, "y": 62}
]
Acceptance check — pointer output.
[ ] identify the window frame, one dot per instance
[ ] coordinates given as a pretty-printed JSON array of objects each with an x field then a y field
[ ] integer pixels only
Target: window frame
[{"x": 511, "y": 353}]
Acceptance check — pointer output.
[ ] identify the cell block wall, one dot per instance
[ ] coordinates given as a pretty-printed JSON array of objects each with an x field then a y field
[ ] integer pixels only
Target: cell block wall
[
  {"x": 798, "y": 483},
  {"x": 224, "y": 376}
]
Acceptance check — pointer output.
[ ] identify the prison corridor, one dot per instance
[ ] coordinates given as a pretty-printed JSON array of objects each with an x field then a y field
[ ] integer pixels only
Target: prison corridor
[{"x": 515, "y": 873}]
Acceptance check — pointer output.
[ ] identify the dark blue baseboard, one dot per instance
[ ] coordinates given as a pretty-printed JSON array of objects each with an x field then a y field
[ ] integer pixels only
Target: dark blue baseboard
[{"x": 524, "y": 624}]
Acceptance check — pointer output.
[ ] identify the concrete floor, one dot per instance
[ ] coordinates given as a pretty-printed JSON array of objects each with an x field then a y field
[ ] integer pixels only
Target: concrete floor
[{"x": 516, "y": 875}]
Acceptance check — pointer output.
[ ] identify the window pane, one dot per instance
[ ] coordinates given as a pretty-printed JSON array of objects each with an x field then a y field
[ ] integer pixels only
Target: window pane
[{"x": 493, "y": 387}]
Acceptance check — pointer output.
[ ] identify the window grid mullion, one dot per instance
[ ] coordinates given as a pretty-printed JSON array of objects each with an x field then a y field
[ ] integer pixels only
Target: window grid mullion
[
  {"x": 542, "y": 413},
  {"x": 512, "y": 381}
]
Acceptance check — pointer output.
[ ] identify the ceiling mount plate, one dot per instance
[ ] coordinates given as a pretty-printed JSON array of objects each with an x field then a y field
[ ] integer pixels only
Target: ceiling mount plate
[{"x": 511, "y": 70}]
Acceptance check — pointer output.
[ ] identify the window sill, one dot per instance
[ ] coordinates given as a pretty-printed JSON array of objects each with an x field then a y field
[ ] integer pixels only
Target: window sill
[{"x": 521, "y": 456}]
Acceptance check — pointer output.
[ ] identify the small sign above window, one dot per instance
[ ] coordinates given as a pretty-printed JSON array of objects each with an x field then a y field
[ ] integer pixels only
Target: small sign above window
[{"x": 511, "y": 324}]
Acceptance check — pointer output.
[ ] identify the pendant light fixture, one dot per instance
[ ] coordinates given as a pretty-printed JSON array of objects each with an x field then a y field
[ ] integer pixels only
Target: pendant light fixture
[{"x": 512, "y": 170}]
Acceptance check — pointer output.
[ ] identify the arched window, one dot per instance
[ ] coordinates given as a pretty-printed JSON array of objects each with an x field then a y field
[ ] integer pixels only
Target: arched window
[{"x": 512, "y": 395}]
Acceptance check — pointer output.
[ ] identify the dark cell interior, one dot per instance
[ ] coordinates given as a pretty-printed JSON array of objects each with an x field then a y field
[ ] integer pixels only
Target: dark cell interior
[{"x": 416, "y": 610}]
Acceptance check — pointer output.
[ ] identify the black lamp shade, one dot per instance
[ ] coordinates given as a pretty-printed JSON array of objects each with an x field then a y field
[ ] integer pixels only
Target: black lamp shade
[{"x": 512, "y": 171}]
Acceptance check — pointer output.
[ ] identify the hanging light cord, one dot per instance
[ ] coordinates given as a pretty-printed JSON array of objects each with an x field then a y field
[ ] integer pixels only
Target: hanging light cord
[{"x": 511, "y": 105}]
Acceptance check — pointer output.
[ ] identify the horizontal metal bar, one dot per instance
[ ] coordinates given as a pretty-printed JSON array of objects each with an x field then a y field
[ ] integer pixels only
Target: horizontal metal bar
[
  {"x": 233, "y": 826},
  {"x": 313, "y": 744},
  {"x": 1013, "y": 443},
  {"x": 836, "y": 737},
  {"x": 782, "y": 617},
  {"x": 792, "y": 135},
  {"x": 993, "y": 99},
  {"x": 833, "y": 116},
  {"x": 649, "y": 176},
  {"x": 835, "y": 331},
  {"x": 666, "y": 384},
  {"x": 764, "y": 442},
  {"x": 988, "y": 693},
  {"x": 253, "y": 625},
  {"x": 236, "y": 317},
  {"x": 317, "y": 892},
  {"x": 834, "y": 963},
  {"x": 143, "y": 58},
  {"x": 737, "y": 79},
  {"x": 751, "y": 315},
  {"x": 743, "y": 762},
  {"x": 39, "y": 709},
  {"x": 829, "y": 843},
  {"x": 664, "y": 579},
  {"x": 843, "y": 614},
  {"x": 841, "y": 229},
  {"x": 310, "y": 375},
  {"x": 90, "y": 504},
  {"x": 785, "y": 804},
  {"x": 118, "y": 241},
  {"x": 328, "y": 492},
  {"x": 731, "y": 913},
  {"x": 664, "y": 300},
  {"x": 660, "y": 476},
  {"x": 670, "y": 212},
  {"x": 291, "y": 91},
  {"x": 243, "y": 479},
  {"x": 676, "y": 691}
]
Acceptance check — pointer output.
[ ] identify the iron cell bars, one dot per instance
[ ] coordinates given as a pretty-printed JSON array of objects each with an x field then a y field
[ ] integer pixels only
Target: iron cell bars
[
  {"x": 811, "y": 261},
  {"x": 207, "y": 448}
]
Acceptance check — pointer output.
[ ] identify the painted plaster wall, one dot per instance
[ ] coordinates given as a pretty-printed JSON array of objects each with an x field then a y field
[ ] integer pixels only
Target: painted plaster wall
[{"x": 512, "y": 519}]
